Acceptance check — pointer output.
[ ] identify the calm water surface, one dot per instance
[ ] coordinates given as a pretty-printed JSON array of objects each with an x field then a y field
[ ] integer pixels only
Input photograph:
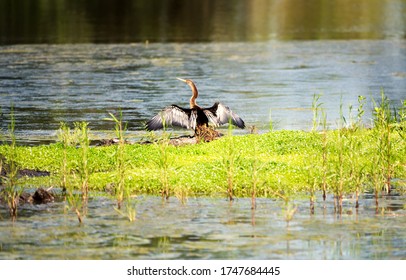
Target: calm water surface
[
  {"x": 48, "y": 84},
  {"x": 207, "y": 229},
  {"x": 72, "y": 60}
]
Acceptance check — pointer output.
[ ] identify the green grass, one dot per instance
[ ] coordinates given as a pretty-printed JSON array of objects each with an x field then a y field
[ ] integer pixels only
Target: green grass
[
  {"x": 280, "y": 164},
  {"x": 283, "y": 157}
]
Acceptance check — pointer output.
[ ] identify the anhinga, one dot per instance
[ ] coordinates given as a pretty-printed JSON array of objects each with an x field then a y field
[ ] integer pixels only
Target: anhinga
[{"x": 195, "y": 118}]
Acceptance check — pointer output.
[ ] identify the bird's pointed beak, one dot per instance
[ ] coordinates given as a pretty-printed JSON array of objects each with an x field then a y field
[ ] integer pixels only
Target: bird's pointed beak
[{"x": 181, "y": 80}]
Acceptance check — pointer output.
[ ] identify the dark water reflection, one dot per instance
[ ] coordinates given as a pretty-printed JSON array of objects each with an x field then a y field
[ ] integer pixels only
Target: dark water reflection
[
  {"x": 127, "y": 21},
  {"x": 83, "y": 82},
  {"x": 206, "y": 229}
]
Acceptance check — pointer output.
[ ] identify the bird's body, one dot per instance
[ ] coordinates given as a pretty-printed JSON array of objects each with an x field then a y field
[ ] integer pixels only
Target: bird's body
[{"x": 195, "y": 117}]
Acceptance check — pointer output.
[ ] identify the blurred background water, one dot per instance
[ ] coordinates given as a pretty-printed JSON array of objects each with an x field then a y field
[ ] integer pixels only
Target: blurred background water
[{"x": 128, "y": 21}]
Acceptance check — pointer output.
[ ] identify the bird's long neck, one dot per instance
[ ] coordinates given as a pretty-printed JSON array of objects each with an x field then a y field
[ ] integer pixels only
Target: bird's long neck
[{"x": 195, "y": 93}]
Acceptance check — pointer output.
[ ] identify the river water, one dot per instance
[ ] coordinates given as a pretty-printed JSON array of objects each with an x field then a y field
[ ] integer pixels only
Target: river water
[
  {"x": 263, "y": 81},
  {"x": 207, "y": 228}
]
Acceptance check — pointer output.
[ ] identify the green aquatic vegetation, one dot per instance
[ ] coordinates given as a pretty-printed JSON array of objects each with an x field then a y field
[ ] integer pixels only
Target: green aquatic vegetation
[
  {"x": 313, "y": 172},
  {"x": 358, "y": 123},
  {"x": 286, "y": 194},
  {"x": 84, "y": 170},
  {"x": 402, "y": 121},
  {"x": 280, "y": 154},
  {"x": 122, "y": 189},
  {"x": 339, "y": 173},
  {"x": 182, "y": 193},
  {"x": 312, "y": 163},
  {"x": 278, "y": 164},
  {"x": 356, "y": 167},
  {"x": 254, "y": 170},
  {"x": 164, "y": 163},
  {"x": 74, "y": 200},
  {"x": 119, "y": 159},
  {"x": 316, "y": 109},
  {"x": 11, "y": 192},
  {"x": 384, "y": 157},
  {"x": 352, "y": 145},
  {"x": 230, "y": 157},
  {"x": 67, "y": 139},
  {"x": 161, "y": 156},
  {"x": 324, "y": 156},
  {"x": 75, "y": 203},
  {"x": 164, "y": 160}
]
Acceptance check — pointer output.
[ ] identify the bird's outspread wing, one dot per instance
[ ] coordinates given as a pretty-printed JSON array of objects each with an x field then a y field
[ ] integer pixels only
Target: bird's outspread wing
[
  {"x": 173, "y": 116},
  {"x": 219, "y": 114}
]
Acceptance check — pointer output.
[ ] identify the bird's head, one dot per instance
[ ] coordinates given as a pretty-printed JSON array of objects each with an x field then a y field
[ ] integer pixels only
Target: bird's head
[
  {"x": 194, "y": 91},
  {"x": 187, "y": 81}
]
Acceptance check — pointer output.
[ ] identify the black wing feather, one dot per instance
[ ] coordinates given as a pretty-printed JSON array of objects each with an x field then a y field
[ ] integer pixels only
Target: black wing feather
[
  {"x": 173, "y": 116},
  {"x": 219, "y": 114}
]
